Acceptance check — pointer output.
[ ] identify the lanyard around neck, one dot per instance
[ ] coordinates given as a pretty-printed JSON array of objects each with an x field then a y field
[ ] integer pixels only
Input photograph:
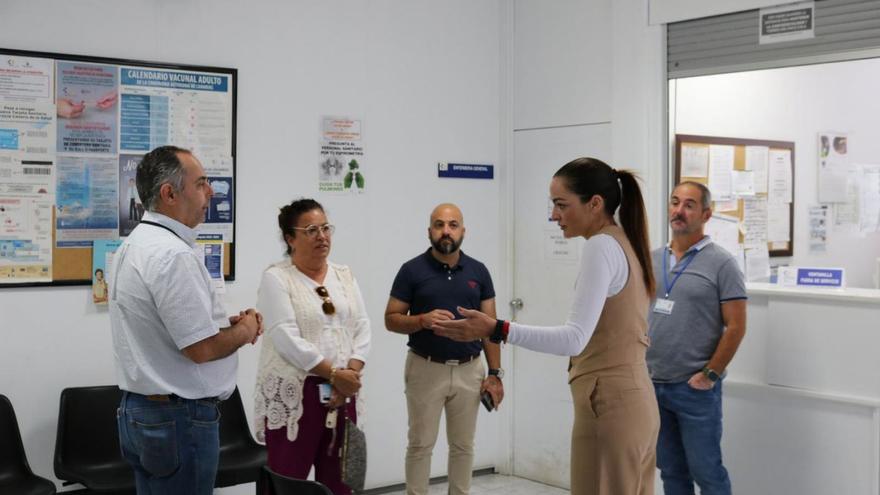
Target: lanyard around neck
[{"x": 668, "y": 286}]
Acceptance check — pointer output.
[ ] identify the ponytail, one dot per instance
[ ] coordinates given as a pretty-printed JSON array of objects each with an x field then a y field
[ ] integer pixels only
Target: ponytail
[
  {"x": 587, "y": 177},
  {"x": 633, "y": 220}
]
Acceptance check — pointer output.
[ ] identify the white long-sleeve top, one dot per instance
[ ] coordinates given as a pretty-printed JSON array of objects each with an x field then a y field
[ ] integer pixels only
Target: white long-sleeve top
[
  {"x": 603, "y": 273},
  {"x": 279, "y": 320}
]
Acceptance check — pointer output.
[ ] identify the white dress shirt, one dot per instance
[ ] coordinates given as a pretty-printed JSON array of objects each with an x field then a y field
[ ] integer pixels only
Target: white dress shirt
[{"x": 162, "y": 300}]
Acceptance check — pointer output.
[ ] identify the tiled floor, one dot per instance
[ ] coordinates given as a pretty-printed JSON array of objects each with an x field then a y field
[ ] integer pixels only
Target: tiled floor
[{"x": 496, "y": 484}]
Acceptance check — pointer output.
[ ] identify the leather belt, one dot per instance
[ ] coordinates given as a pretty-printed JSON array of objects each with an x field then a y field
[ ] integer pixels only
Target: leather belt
[{"x": 448, "y": 362}]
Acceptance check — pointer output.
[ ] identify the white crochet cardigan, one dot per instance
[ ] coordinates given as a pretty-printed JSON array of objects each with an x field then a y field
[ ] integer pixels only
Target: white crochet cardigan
[{"x": 278, "y": 395}]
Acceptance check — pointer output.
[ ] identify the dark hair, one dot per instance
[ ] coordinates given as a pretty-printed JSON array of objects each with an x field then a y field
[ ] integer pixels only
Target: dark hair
[
  {"x": 98, "y": 270},
  {"x": 156, "y": 168},
  {"x": 290, "y": 214},
  {"x": 588, "y": 177},
  {"x": 705, "y": 194}
]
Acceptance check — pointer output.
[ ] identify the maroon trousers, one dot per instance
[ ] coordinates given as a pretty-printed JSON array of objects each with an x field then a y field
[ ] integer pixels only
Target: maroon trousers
[{"x": 315, "y": 444}]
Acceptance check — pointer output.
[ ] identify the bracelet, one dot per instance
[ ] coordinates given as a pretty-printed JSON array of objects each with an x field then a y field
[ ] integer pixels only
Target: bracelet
[
  {"x": 332, "y": 375},
  {"x": 502, "y": 327}
]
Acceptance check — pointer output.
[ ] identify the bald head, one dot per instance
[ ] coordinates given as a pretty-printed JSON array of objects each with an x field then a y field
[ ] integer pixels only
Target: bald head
[
  {"x": 446, "y": 230},
  {"x": 447, "y": 210}
]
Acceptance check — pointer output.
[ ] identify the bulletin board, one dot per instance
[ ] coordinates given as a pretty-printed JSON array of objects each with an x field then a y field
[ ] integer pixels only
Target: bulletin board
[
  {"x": 73, "y": 129},
  {"x": 747, "y": 156}
]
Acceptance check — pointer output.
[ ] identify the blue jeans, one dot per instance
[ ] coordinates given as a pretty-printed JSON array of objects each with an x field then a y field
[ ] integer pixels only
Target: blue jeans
[
  {"x": 689, "y": 445},
  {"x": 173, "y": 445}
]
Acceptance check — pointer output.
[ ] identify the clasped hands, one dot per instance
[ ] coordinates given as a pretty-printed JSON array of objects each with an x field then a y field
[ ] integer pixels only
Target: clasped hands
[
  {"x": 346, "y": 383},
  {"x": 252, "y": 320}
]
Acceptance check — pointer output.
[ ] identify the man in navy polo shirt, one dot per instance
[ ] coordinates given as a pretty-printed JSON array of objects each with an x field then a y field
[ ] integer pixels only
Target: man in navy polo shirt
[{"x": 440, "y": 373}]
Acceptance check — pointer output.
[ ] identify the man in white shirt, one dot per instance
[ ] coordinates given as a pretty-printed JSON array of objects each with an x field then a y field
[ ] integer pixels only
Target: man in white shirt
[{"x": 174, "y": 347}]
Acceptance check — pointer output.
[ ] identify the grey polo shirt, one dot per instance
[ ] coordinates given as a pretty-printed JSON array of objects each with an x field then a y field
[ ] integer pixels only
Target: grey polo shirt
[{"x": 684, "y": 341}]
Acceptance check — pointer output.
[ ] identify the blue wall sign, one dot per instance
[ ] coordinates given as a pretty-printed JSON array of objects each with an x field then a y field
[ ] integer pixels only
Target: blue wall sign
[
  {"x": 820, "y": 277},
  {"x": 465, "y": 171}
]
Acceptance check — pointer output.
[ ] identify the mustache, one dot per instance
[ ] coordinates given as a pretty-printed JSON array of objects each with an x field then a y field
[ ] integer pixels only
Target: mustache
[{"x": 677, "y": 217}]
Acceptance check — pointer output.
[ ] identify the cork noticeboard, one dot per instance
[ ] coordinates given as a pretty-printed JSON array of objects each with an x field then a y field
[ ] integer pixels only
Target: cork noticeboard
[
  {"x": 73, "y": 129},
  {"x": 700, "y": 145}
]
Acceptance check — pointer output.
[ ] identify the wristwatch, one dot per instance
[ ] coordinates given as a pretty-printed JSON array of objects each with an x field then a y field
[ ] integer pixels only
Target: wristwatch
[
  {"x": 710, "y": 374},
  {"x": 497, "y": 372},
  {"x": 498, "y": 335}
]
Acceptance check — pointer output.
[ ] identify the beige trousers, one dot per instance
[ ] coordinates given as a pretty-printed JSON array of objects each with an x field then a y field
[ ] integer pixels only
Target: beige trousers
[
  {"x": 614, "y": 438},
  {"x": 432, "y": 388}
]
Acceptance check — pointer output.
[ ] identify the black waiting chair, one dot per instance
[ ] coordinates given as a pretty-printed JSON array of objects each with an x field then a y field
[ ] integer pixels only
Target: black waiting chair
[
  {"x": 272, "y": 483},
  {"x": 241, "y": 457},
  {"x": 87, "y": 443},
  {"x": 15, "y": 472}
]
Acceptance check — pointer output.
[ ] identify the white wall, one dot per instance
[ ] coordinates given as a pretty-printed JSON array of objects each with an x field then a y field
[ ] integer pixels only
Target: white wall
[
  {"x": 589, "y": 82},
  {"x": 795, "y": 104},
  {"x": 425, "y": 77}
]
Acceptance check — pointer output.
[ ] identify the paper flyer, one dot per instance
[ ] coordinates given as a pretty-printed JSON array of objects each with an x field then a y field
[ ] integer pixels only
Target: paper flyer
[
  {"x": 26, "y": 78},
  {"x": 27, "y": 127},
  {"x": 85, "y": 98},
  {"x": 102, "y": 260},
  {"x": 341, "y": 158},
  {"x": 833, "y": 167},
  {"x": 212, "y": 252},
  {"x": 25, "y": 240},
  {"x": 86, "y": 200},
  {"x": 819, "y": 217},
  {"x": 221, "y": 211},
  {"x": 131, "y": 208},
  {"x": 192, "y": 110}
]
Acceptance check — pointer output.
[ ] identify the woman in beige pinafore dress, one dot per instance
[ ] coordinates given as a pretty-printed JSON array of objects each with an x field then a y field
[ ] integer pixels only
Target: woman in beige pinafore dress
[{"x": 614, "y": 436}]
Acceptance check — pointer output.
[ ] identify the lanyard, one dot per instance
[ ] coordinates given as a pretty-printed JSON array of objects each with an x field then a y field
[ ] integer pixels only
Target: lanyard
[
  {"x": 154, "y": 224},
  {"x": 666, "y": 283}
]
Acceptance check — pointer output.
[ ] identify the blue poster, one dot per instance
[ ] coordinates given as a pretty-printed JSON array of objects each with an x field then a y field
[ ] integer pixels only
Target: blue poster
[
  {"x": 85, "y": 97},
  {"x": 221, "y": 209},
  {"x": 86, "y": 200}
]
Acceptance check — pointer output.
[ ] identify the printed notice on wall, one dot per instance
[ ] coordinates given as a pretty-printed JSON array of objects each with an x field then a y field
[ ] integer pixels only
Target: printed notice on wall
[
  {"x": 789, "y": 23},
  {"x": 85, "y": 99},
  {"x": 833, "y": 168},
  {"x": 819, "y": 217},
  {"x": 341, "y": 159},
  {"x": 192, "y": 110},
  {"x": 558, "y": 249}
]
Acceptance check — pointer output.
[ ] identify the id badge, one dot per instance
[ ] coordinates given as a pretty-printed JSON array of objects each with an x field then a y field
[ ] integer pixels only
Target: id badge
[{"x": 663, "y": 306}]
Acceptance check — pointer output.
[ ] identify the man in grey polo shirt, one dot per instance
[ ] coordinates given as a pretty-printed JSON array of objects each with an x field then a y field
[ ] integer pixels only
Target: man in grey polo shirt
[
  {"x": 173, "y": 345},
  {"x": 696, "y": 323}
]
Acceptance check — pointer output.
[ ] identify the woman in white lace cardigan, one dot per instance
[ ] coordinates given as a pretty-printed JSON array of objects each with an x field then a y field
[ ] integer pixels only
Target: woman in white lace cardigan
[{"x": 317, "y": 336}]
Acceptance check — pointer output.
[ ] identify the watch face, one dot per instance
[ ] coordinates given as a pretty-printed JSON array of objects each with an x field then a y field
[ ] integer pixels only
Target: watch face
[{"x": 498, "y": 372}]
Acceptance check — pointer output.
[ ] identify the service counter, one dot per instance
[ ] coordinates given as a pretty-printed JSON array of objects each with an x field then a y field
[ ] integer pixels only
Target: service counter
[{"x": 802, "y": 396}]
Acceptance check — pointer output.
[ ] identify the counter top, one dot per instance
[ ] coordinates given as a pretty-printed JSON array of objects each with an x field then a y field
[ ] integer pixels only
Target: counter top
[{"x": 854, "y": 294}]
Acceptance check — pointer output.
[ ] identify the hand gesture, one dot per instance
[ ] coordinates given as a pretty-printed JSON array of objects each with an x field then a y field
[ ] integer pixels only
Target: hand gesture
[
  {"x": 107, "y": 101},
  {"x": 348, "y": 382},
  {"x": 474, "y": 326},
  {"x": 427, "y": 320}
]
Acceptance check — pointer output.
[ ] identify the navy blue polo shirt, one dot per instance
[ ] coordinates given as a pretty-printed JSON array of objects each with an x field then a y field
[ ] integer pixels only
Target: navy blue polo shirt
[{"x": 426, "y": 284}]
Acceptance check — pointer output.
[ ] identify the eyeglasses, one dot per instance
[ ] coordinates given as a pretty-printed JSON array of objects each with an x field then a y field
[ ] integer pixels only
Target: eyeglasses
[
  {"x": 312, "y": 230},
  {"x": 328, "y": 306}
]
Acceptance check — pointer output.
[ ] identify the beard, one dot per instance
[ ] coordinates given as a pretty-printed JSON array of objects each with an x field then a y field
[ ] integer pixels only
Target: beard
[{"x": 446, "y": 244}]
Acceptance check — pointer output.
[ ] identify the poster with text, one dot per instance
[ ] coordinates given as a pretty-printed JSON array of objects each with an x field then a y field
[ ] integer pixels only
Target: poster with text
[
  {"x": 86, "y": 200},
  {"x": 25, "y": 240},
  {"x": 341, "y": 158},
  {"x": 85, "y": 99},
  {"x": 26, "y": 78},
  {"x": 192, "y": 110}
]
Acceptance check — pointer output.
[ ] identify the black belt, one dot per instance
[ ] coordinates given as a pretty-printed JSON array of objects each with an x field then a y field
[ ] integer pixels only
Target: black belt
[{"x": 450, "y": 362}]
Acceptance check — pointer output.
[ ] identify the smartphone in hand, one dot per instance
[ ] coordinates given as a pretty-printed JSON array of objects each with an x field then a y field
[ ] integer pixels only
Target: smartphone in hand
[{"x": 486, "y": 399}]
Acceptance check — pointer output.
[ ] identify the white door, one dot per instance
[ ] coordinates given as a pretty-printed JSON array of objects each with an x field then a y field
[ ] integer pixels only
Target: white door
[{"x": 544, "y": 281}]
